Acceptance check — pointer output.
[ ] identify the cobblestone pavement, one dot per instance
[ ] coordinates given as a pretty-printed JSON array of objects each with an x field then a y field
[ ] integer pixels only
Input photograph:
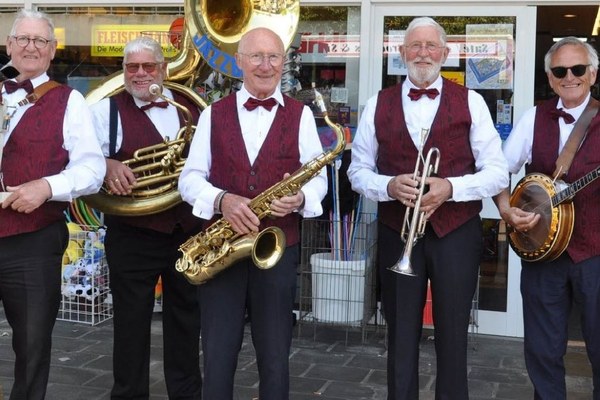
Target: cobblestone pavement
[{"x": 327, "y": 362}]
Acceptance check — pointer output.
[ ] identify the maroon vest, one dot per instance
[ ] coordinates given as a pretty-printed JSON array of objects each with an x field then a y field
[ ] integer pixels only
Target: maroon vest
[
  {"x": 278, "y": 154},
  {"x": 139, "y": 132},
  {"x": 398, "y": 154},
  {"x": 34, "y": 150},
  {"x": 585, "y": 241}
]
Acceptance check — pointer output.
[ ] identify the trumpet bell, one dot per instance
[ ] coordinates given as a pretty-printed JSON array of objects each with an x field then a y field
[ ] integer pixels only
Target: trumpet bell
[{"x": 403, "y": 267}]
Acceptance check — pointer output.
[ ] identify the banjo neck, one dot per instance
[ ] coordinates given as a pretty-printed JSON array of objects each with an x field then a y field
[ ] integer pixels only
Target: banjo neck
[{"x": 569, "y": 192}]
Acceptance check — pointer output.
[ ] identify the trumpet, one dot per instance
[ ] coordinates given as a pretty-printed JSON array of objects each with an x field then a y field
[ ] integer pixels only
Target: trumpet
[{"x": 415, "y": 220}]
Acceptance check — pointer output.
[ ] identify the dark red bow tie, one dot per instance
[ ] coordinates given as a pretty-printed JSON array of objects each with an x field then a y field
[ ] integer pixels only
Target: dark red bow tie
[
  {"x": 12, "y": 86},
  {"x": 559, "y": 112},
  {"x": 267, "y": 104},
  {"x": 416, "y": 94},
  {"x": 160, "y": 104}
]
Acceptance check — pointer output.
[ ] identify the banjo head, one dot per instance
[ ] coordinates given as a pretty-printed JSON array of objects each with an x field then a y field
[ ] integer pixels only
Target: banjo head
[{"x": 534, "y": 193}]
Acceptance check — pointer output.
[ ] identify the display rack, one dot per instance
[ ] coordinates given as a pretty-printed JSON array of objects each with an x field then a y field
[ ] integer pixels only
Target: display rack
[
  {"x": 85, "y": 278},
  {"x": 337, "y": 282}
]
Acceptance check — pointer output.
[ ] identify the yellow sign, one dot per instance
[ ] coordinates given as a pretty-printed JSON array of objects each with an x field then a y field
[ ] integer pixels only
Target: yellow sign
[
  {"x": 59, "y": 34},
  {"x": 110, "y": 40},
  {"x": 455, "y": 76}
]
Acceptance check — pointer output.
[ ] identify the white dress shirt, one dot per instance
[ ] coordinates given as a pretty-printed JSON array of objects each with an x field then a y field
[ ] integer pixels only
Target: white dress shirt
[
  {"x": 193, "y": 182},
  {"x": 166, "y": 121},
  {"x": 490, "y": 175},
  {"x": 86, "y": 167},
  {"x": 517, "y": 147}
]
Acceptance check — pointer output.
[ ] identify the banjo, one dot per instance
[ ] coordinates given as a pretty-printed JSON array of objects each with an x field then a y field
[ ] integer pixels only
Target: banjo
[{"x": 538, "y": 193}]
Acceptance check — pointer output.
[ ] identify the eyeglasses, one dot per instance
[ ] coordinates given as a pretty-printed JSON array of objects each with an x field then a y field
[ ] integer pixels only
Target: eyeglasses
[
  {"x": 257, "y": 59},
  {"x": 429, "y": 46},
  {"x": 577, "y": 70},
  {"x": 38, "y": 42},
  {"x": 149, "y": 67}
]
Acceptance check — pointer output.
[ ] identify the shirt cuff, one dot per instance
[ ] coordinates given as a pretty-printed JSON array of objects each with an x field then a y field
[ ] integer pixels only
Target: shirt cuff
[{"x": 61, "y": 190}]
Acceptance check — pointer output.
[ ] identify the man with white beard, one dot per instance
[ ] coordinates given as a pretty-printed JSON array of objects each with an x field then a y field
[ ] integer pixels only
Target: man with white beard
[{"x": 423, "y": 112}]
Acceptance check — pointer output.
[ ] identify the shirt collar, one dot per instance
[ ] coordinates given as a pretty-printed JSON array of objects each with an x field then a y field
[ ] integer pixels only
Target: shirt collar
[
  {"x": 165, "y": 91},
  {"x": 243, "y": 95},
  {"x": 575, "y": 111},
  {"x": 37, "y": 81},
  {"x": 437, "y": 84}
]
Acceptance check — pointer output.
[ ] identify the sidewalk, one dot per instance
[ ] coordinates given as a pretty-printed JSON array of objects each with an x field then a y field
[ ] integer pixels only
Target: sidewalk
[{"x": 326, "y": 363}]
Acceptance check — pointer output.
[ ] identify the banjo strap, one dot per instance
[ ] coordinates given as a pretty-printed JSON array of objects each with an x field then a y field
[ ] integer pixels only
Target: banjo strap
[{"x": 563, "y": 162}]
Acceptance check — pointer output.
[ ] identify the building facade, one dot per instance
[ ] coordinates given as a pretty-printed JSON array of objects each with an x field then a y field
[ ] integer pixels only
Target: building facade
[{"x": 350, "y": 50}]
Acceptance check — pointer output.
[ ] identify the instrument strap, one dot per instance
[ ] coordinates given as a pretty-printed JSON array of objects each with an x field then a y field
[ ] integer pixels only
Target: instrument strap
[
  {"x": 112, "y": 131},
  {"x": 563, "y": 162}
]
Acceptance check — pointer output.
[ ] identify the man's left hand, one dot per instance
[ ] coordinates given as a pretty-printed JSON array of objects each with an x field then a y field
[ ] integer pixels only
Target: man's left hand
[
  {"x": 287, "y": 204},
  {"x": 440, "y": 190},
  {"x": 27, "y": 197}
]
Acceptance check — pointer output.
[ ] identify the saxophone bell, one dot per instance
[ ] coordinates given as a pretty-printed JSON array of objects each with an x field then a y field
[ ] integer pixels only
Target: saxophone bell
[{"x": 415, "y": 220}]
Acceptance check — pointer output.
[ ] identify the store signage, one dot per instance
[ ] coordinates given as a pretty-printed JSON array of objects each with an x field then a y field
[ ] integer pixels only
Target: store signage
[
  {"x": 461, "y": 46},
  {"x": 110, "y": 40}
]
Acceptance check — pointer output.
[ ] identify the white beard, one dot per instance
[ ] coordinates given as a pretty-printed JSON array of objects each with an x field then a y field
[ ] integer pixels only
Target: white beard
[{"x": 420, "y": 75}]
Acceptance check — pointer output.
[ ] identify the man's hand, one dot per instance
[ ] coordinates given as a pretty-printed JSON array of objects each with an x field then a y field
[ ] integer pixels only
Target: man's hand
[
  {"x": 287, "y": 204},
  {"x": 403, "y": 188},
  {"x": 439, "y": 191},
  {"x": 27, "y": 197},
  {"x": 119, "y": 177},
  {"x": 235, "y": 210},
  {"x": 520, "y": 220}
]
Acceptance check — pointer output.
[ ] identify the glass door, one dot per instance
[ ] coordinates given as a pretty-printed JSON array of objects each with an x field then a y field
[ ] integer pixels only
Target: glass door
[{"x": 488, "y": 48}]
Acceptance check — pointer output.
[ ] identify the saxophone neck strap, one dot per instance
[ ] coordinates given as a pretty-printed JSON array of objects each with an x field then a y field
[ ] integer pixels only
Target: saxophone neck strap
[{"x": 563, "y": 162}]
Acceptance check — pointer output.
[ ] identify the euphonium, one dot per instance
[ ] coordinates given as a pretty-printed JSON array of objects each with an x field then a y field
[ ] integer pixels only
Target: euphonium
[
  {"x": 219, "y": 246},
  {"x": 415, "y": 220},
  {"x": 157, "y": 168}
]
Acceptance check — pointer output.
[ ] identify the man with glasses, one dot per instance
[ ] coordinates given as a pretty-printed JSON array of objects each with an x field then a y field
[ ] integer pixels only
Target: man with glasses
[
  {"x": 245, "y": 143},
  {"x": 141, "y": 249},
  {"x": 549, "y": 288},
  {"x": 48, "y": 157},
  {"x": 398, "y": 124}
]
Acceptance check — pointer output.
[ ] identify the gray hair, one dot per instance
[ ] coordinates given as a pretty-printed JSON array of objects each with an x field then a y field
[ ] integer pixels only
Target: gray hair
[
  {"x": 33, "y": 14},
  {"x": 144, "y": 43},
  {"x": 426, "y": 21},
  {"x": 573, "y": 41}
]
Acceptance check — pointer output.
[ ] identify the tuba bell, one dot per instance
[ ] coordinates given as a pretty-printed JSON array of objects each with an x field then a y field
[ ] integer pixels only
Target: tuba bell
[{"x": 415, "y": 220}]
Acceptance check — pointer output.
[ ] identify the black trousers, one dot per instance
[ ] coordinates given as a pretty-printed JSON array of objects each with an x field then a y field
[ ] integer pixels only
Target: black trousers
[
  {"x": 451, "y": 264},
  {"x": 30, "y": 269},
  {"x": 548, "y": 290},
  {"x": 268, "y": 298},
  {"x": 136, "y": 259}
]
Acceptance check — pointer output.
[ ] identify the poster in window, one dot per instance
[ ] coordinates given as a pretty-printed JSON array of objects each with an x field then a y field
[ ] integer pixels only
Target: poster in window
[{"x": 489, "y": 56}]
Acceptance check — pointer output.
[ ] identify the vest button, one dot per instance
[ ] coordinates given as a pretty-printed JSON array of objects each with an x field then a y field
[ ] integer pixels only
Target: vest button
[
  {"x": 251, "y": 187},
  {"x": 252, "y": 173}
]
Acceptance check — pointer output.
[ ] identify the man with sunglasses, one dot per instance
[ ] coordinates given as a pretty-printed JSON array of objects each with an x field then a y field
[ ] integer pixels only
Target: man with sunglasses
[
  {"x": 140, "y": 250},
  {"x": 48, "y": 157},
  {"x": 549, "y": 288},
  {"x": 245, "y": 143}
]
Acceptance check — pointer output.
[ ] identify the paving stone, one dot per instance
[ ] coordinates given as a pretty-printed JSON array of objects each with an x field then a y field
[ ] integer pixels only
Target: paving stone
[{"x": 327, "y": 362}]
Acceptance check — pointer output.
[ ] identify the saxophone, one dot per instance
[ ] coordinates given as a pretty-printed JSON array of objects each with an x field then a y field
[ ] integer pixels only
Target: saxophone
[{"x": 218, "y": 247}]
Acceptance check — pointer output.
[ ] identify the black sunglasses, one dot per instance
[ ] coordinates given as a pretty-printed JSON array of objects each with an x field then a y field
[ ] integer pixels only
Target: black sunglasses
[{"x": 577, "y": 70}]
